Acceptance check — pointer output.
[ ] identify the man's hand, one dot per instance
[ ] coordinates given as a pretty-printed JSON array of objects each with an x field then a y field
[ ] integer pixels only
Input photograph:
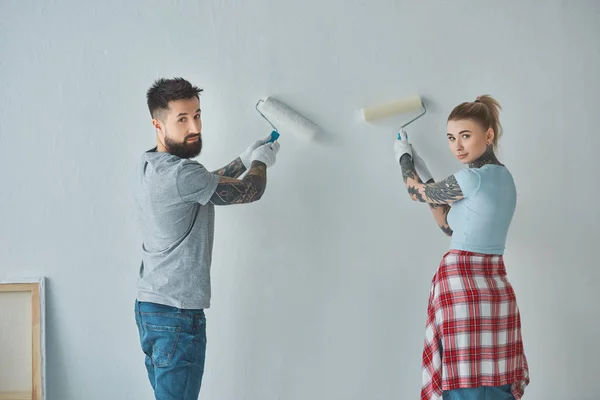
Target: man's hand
[
  {"x": 267, "y": 153},
  {"x": 246, "y": 156}
]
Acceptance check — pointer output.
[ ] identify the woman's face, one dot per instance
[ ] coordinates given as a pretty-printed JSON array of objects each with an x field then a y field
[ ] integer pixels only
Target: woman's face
[{"x": 467, "y": 139}]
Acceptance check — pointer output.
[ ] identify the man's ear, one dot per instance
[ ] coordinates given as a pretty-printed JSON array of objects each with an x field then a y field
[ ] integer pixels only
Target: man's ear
[{"x": 158, "y": 125}]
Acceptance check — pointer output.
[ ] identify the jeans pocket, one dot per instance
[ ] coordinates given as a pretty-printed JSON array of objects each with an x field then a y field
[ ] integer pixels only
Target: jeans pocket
[{"x": 160, "y": 343}]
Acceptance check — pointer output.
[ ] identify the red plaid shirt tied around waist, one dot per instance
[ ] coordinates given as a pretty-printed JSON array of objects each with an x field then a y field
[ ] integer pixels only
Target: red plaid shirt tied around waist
[{"x": 473, "y": 330}]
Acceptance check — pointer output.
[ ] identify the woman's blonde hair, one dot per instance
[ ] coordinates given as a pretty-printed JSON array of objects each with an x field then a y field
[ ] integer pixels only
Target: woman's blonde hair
[{"x": 485, "y": 110}]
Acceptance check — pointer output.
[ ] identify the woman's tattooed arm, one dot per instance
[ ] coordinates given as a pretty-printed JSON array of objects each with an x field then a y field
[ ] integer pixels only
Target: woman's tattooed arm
[
  {"x": 445, "y": 192},
  {"x": 440, "y": 214}
]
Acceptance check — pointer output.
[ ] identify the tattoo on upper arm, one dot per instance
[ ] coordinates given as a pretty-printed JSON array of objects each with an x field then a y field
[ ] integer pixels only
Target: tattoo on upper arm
[
  {"x": 414, "y": 192},
  {"x": 446, "y": 229},
  {"x": 445, "y": 210},
  {"x": 445, "y": 207},
  {"x": 247, "y": 190},
  {"x": 444, "y": 192},
  {"x": 232, "y": 170}
]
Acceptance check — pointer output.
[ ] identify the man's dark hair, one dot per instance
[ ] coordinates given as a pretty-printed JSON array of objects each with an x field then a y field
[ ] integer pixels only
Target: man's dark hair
[{"x": 165, "y": 90}]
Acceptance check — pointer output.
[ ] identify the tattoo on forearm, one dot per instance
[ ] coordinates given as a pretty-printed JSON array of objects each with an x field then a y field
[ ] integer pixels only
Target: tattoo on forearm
[
  {"x": 444, "y": 192},
  {"x": 408, "y": 169},
  {"x": 247, "y": 190},
  {"x": 232, "y": 170}
]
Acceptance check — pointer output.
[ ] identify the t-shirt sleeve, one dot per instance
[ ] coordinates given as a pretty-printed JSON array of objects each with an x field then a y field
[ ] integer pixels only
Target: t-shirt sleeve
[
  {"x": 469, "y": 181},
  {"x": 194, "y": 183}
]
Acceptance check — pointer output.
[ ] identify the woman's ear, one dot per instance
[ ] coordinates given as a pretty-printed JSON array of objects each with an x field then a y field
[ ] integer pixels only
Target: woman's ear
[{"x": 489, "y": 136}]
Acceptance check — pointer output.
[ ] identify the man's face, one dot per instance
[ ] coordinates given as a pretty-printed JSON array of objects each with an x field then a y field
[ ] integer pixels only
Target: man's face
[{"x": 180, "y": 129}]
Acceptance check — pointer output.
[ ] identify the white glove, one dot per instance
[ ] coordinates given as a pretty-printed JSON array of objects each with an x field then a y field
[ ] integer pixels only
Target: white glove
[
  {"x": 266, "y": 153},
  {"x": 246, "y": 156},
  {"x": 420, "y": 167},
  {"x": 402, "y": 146}
]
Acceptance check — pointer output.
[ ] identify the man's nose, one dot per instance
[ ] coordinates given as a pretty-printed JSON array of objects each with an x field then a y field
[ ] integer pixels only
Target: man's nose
[{"x": 195, "y": 127}]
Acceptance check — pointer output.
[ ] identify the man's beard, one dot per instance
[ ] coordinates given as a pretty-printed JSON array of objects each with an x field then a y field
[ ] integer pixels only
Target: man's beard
[{"x": 185, "y": 149}]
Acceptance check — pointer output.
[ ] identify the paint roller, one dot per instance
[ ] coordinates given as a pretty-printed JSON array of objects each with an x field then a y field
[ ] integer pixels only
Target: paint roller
[
  {"x": 392, "y": 108},
  {"x": 285, "y": 120}
]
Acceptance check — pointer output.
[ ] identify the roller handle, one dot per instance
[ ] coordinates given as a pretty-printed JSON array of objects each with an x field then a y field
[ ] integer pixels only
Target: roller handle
[{"x": 274, "y": 136}]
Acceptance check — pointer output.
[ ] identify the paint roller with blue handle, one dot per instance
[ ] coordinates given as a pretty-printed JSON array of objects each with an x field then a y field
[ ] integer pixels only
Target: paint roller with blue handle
[
  {"x": 282, "y": 118},
  {"x": 274, "y": 136},
  {"x": 387, "y": 110}
]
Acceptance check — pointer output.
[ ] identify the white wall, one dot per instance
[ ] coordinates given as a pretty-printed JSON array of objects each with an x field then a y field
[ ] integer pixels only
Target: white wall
[{"x": 320, "y": 289}]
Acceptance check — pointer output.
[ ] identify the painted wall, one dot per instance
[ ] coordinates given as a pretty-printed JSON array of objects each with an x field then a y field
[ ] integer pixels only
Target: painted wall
[{"x": 320, "y": 289}]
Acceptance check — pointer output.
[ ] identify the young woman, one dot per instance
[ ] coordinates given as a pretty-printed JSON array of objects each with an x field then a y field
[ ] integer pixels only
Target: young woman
[{"x": 473, "y": 346}]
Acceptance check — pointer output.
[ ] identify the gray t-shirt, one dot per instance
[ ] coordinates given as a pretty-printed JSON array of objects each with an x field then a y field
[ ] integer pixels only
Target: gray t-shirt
[{"x": 177, "y": 225}]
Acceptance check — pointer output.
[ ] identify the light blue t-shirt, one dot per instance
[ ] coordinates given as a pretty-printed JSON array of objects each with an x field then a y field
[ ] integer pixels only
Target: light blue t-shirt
[{"x": 480, "y": 220}]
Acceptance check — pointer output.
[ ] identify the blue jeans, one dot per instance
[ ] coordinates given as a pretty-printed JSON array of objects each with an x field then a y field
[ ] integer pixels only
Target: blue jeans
[
  {"x": 480, "y": 393},
  {"x": 174, "y": 341}
]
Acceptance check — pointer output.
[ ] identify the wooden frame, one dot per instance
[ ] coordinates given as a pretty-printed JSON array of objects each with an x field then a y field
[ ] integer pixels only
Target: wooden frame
[{"x": 38, "y": 340}]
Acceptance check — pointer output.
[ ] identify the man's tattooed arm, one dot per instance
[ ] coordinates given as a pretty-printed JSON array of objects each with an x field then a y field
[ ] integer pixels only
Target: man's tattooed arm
[
  {"x": 241, "y": 191},
  {"x": 445, "y": 192},
  {"x": 232, "y": 170}
]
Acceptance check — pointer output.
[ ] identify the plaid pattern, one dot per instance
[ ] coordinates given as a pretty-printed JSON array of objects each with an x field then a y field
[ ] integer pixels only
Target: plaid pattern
[{"x": 473, "y": 330}]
